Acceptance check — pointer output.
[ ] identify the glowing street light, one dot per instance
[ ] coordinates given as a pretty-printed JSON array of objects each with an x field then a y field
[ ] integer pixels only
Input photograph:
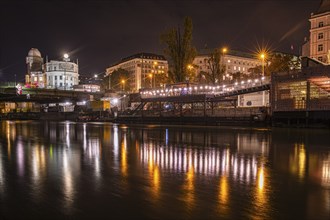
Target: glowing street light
[
  {"x": 224, "y": 51},
  {"x": 155, "y": 65},
  {"x": 123, "y": 82},
  {"x": 66, "y": 59},
  {"x": 263, "y": 56}
]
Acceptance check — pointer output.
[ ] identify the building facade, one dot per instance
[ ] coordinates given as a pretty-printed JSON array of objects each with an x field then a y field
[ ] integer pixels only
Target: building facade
[
  {"x": 35, "y": 69},
  {"x": 61, "y": 74},
  {"x": 51, "y": 75},
  {"x": 145, "y": 70},
  {"x": 233, "y": 62},
  {"x": 318, "y": 46}
]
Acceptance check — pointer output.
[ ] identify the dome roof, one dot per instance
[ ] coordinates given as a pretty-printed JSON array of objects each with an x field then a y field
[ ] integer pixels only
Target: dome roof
[{"x": 34, "y": 52}]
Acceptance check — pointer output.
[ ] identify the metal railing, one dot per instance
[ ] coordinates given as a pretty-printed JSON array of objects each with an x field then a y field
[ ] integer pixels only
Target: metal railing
[{"x": 197, "y": 89}]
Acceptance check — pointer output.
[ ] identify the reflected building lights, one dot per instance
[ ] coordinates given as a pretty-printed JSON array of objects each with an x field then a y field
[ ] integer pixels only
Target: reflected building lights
[
  {"x": 67, "y": 134},
  {"x": 224, "y": 194},
  {"x": 8, "y": 139},
  {"x": 261, "y": 179},
  {"x": 189, "y": 188},
  {"x": 261, "y": 203},
  {"x": 20, "y": 157},
  {"x": 84, "y": 137},
  {"x": 166, "y": 137},
  {"x": 38, "y": 158},
  {"x": 326, "y": 173},
  {"x": 302, "y": 160},
  {"x": 298, "y": 161},
  {"x": 67, "y": 181},
  {"x": 115, "y": 143},
  {"x": 205, "y": 162},
  {"x": 124, "y": 156},
  {"x": 2, "y": 173}
]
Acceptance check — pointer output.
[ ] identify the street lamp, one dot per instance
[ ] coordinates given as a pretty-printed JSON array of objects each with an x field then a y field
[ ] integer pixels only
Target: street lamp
[
  {"x": 155, "y": 71},
  {"x": 262, "y": 56},
  {"x": 123, "y": 82},
  {"x": 65, "y": 58},
  {"x": 224, "y": 51}
]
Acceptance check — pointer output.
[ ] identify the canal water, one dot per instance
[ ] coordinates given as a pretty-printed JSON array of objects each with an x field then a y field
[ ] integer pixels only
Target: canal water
[{"x": 68, "y": 170}]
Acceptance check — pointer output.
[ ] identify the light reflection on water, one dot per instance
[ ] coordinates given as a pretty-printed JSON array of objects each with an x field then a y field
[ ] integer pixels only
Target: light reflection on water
[{"x": 87, "y": 169}]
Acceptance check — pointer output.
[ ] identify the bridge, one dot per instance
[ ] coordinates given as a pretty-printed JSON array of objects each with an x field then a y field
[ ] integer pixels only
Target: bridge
[{"x": 45, "y": 96}]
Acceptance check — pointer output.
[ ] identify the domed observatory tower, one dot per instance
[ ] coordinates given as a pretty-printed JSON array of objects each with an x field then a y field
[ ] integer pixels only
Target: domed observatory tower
[{"x": 35, "y": 77}]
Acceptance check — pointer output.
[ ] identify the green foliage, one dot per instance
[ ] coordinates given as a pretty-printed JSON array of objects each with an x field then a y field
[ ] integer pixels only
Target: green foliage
[
  {"x": 179, "y": 51},
  {"x": 116, "y": 78},
  {"x": 216, "y": 68},
  {"x": 281, "y": 63}
]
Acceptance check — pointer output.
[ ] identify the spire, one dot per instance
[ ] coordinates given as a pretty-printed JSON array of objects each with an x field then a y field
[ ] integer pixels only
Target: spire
[{"x": 324, "y": 7}]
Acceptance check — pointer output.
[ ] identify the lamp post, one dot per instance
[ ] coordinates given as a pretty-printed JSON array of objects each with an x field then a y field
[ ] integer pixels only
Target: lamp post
[
  {"x": 190, "y": 72},
  {"x": 155, "y": 71},
  {"x": 123, "y": 82},
  {"x": 224, "y": 51},
  {"x": 65, "y": 58},
  {"x": 262, "y": 56}
]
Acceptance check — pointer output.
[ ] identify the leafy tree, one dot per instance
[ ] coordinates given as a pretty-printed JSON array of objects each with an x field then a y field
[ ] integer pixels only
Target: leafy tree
[
  {"x": 281, "y": 63},
  {"x": 116, "y": 78},
  {"x": 179, "y": 50},
  {"x": 238, "y": 76},
  {"x": 255, "y": 72},
  {"x": 216, "y": 68},
  {"x": 202, "y": 77}
]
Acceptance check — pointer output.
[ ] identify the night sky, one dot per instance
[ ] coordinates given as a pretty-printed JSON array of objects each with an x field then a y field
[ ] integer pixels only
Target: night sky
[{"x": 100, "y": 33}]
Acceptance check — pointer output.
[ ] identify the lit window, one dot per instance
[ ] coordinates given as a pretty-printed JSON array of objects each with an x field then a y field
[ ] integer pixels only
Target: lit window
[
  {"x": 234, "y": 67},
  {"x": 228, "y": 61},
  {"x": 320, "y": 36},
  {"x": 239, "y": 68},
  {"x": 320, "y": 47}
]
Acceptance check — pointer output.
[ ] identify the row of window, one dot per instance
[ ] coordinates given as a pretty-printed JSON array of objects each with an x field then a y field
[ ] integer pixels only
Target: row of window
[
  {"x": 132, "y": 64},
  {"x": 238, "y": 68},
  {"x": 61, "y": 84},
  {"x": 60, "y": 77},
  {"x": 235, "y": 62}
]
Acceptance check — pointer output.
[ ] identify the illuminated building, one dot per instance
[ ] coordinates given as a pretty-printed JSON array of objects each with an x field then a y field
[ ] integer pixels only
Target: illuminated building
[
  {"x": 61, "y": 74},
  {"x": 34, "y": 62},
  {"x": 51, "y": 75},
  {"x": 318, "y": 46},
  {"x": 233, "y": 62},
  {"x": 140, "y": 67}
]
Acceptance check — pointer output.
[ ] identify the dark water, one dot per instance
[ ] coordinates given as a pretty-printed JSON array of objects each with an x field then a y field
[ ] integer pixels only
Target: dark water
[{"x": 67, "y": 170}]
